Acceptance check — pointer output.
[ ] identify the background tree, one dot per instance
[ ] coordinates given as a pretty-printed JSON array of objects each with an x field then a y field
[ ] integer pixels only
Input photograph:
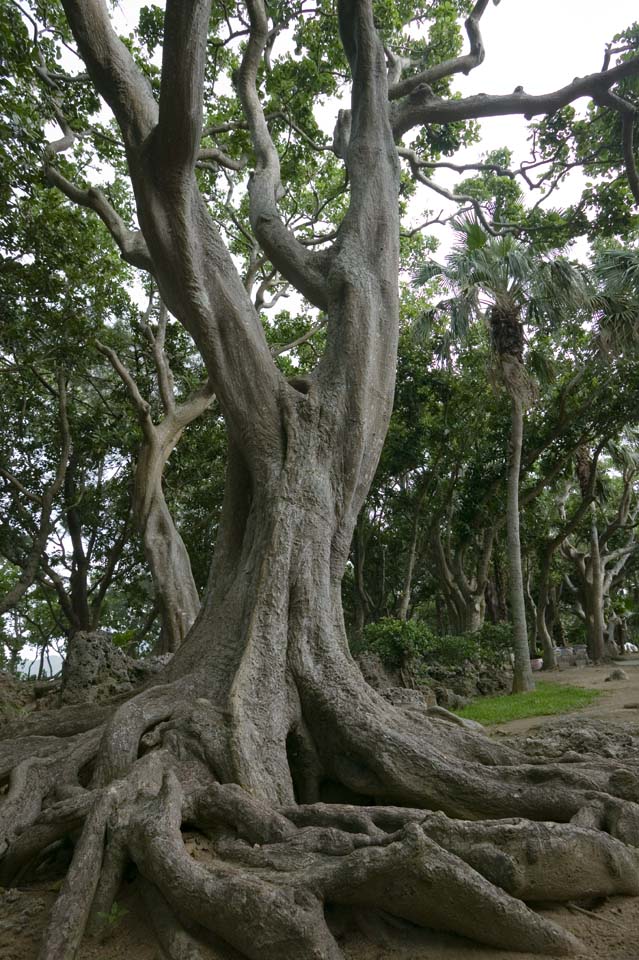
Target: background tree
[{"x": 505, "y": 284}]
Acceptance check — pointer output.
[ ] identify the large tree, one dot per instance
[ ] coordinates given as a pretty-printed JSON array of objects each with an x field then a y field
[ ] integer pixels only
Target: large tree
[{"x": 262, "y": 713}]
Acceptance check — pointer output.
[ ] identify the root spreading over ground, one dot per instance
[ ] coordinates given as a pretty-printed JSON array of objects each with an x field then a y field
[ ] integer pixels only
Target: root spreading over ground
[{"x": 426, "y": 831}]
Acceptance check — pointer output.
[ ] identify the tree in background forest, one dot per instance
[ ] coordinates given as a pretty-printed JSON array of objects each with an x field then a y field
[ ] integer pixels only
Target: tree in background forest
[
  {"x": 499, "y": 281},
  {"x": 261, "y": 713}
]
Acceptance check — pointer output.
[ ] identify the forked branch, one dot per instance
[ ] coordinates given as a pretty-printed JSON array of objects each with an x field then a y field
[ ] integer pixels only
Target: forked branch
[
  {"x": 464, "y": 64},
  {"x": 303, "y": 268}
]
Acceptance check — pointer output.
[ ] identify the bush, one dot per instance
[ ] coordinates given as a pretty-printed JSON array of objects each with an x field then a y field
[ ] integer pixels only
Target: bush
[{"x": 397, "y": 641}]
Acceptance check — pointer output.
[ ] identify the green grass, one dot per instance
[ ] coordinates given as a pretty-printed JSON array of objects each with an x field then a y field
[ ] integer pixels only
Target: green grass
[{"x": 545, "y": 700}]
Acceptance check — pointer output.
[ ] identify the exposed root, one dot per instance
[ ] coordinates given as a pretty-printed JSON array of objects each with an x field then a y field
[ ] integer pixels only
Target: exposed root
[
  {"x": 70, "y": 913},
  {"x": 50, "y": 774},
  {"x": 263, "y": 878},
  {"x": 379, "y": 752},
  {"x": 176, "y": 941}
]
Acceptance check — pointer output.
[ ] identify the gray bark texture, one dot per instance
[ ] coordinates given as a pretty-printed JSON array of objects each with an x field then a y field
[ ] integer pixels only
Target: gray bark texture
[
  {"x": 261, "y": 716},
  {"x": 464, "y": 593},
  {"x": 522, "y": 673},
  {"x": 597, "y": 570}
]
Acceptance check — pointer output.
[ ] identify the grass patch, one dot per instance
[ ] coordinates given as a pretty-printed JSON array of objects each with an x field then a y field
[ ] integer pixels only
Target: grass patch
[{"x": 545, "y": 700}]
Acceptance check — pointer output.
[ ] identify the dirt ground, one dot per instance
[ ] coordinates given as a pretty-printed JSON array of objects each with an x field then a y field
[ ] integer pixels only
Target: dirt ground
[
  {"x": 608, "y": 930},
  {"x": 619, "y": 700}
]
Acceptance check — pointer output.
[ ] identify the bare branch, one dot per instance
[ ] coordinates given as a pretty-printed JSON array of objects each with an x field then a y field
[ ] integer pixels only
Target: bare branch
[
  {"x": 131, "y": 243},
  {"x": 424, "y": 107},
  {"x": 416, "y": 165},
  {"x": 112, "y": 69},
  {"x": 463, "y": 64},
  {"x": 20, "y": 487},
  {"x": 140, "y": 405},
  {"x": 277, "y": 351},
  {"x": 166, "y": 384},
  {"x": 214, "y": 155},
  {"x": 306, "y": 270},
  {"x": 194, "y": 406}
]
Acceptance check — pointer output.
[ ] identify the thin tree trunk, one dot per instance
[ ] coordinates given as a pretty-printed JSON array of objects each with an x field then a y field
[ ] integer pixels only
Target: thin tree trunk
[
  {"x": 404, "y": 603},
  {"x": 522, "y": 677},
  {"x": 596, "y": 623},
  {"x": 361, "y": 598},
  {"x": 164, "y": 548},
  {"x": 544, "y": 638},
  {"x": 167, "y": 556}
]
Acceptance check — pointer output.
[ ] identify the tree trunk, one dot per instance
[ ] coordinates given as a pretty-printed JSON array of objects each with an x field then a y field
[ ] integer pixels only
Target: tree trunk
[
  {"x": 595, "y": 610},
  {"x": 361, "y": 598},
  {"x": 262, "y": 707},
  {"x": 544, "y": 638},
  {"x": 404, "y": 600},
  {"x": 164, "y": 548},
  {"x": 522, "y": 677},
  {"x": 464, "y": 598}
]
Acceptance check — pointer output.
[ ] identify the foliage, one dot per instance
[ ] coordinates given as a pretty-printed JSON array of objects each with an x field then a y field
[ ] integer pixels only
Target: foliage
[{"x": 397, "y": 641}]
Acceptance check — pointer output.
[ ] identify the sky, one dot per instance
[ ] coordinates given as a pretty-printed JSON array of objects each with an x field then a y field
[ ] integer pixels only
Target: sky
[
  {"x": 542, "y": 50},
  {"x": 540, "y": 45}
]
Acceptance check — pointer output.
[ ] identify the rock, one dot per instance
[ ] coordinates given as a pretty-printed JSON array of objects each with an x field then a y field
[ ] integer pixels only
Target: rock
[
  {"x": 95, "y": 669},
  {"x": 376, "y": 673},
  {"x": 402, "y": 697},
  {"x": 617, "y": 674}
]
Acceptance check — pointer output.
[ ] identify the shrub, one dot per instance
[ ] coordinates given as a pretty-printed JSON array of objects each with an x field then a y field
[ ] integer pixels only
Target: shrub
[{"x": 397, "y": 641}]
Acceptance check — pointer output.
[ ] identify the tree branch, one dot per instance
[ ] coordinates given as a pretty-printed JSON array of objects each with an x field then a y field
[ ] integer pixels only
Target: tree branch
[
  {"x": 463, "y": 64},
  {"x": 113, "y": 69},
  {"x": 424, "y": 107},
  {"x": 179, "y": 130},
  {"x": 131, "y": 243},
  {"x": 140, "y": 405},
  {"x": 416, "y": 165},
  {"x": 303, "y": 268},
  {"x": 162, "y": 368}
]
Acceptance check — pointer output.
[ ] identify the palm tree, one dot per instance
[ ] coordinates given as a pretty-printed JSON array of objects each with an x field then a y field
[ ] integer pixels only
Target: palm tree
[
  {"x": 616, "y": 304},
  {"x": 507, "y": 285}
]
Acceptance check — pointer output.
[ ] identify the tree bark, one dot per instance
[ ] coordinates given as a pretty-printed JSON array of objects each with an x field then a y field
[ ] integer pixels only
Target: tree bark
[
  {"x": 595, "y": 609},
  {"x": 404, "y": 600},
  {"x": 164, "y": 548},
  {"x": 522, "y": 676},
  {"x": 542, "y": 633},
  {"x": 176, "y": 593}
]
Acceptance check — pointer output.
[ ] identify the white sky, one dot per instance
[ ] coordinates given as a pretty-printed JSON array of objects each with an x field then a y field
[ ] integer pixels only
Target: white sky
[{"x": 540, "y": 45}]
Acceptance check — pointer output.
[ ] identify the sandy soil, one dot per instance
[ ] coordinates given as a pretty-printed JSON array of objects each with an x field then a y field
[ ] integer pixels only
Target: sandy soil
[{"x": 609, "y": 930}]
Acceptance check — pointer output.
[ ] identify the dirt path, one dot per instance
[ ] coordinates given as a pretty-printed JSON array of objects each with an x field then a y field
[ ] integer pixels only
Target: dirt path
[{"x": 613, "y": 704}]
